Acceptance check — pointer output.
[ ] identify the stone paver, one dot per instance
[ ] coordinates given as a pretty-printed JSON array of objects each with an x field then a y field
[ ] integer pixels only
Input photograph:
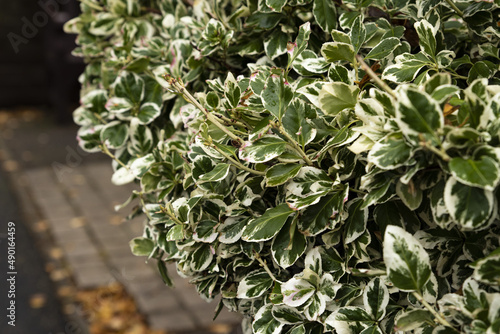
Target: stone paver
[{"x": 79, "y": 208}]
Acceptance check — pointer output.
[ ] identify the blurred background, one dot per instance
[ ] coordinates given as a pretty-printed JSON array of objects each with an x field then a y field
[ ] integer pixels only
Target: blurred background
[{"x": 74, "y": 272}]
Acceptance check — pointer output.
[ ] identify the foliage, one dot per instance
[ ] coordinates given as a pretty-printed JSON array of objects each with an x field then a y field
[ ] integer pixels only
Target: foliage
[{"x": 322, "y": 165}]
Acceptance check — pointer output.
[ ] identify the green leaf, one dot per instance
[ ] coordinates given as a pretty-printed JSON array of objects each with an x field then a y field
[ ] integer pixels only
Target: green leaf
[
  {"x": 141, "y": 138},
  {"x": 296, "y": 124},
  {"x": 288, "y": 246},
  {"x": 268, "y": 225},
  {"x": 483, "y": 173},
  {"x": 374, "y": 329},
  {"x": 205, "y": 231},
  {"x": 325, "y": 14},
  {"x": 295, "y": 49},
  {"x": 297, "y": 291},
  {"x": 407, "y": 262},
  {"x": 341, "y": 37},
  {"x": 232, "y": 91},
  {"x": 418, "y": 115},
  {"x": 254, "y": 284},
  {"x": 275, "y": 44},
  {"x": 175, "y": 233},
  {"x": 231, "y": 230},
  {"x": 115, "y": 134},
  {"x": 219, "y": 173},
  {"x": 487, "y": 270},
  {"x": 409, "y": 194},
  {"x": 334, "y": 51},
  {"x": 320, "y": 216},
  {"x": 148, "y": 112},
  {"x": 355, "y": 225},
  {"x": 201, "y": 258},
  {"x": 276, "y": 5},
  {"x": 276, "y": 95},
  {"x": 358, "y": 33},
  {"x": 390, "y": 152},
  {"x": 141, "y": 246},
  {"x": 265, "y": 323},
  {"x": 427, "y": 41},
  {"x": 119, "y": 105},
  {"x": 376, "y": 298},
  {"x": 413, "y": 319},
  {"x": 469, "y": 207},
  {"x": 287, "y": 315},
  {"x": 349, "y": 320},
  {"x": 162, "y": 268},
  {"x": 384, "y": 48},
  {"x": 406, "y": 67},
  {"x": 262, "y": 150},
  {"x": 130, "y": 86},
  {"x": 337, "y": 96},
  {"x": 281, "y": 173}
]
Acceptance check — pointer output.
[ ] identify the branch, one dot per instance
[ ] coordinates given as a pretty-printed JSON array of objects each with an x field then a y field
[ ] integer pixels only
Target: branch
[
  {"x": 174, "y": 83},
  {"x": 455, "y": 8},
  {"x": 375, "y": 77},
  {"x": 438, "y": 316},
  {"x": 264, "y": 265},
  {"x": 295, "y": 145}
]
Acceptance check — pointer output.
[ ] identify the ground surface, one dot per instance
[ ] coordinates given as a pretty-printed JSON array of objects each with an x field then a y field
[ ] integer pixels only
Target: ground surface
[{"x": 69, "y": 201}]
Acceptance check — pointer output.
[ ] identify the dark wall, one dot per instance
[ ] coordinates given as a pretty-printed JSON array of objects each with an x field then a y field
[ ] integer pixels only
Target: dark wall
[{"x": 36, "y": 66}]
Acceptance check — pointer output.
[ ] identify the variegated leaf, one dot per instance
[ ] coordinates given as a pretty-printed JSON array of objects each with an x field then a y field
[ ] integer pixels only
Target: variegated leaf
[
  {"x": 254, "y": 285},
  {"x": 407, "y": 262},
  {"x": 268, "y": 225},
  {"x": 469, "y": 207}
]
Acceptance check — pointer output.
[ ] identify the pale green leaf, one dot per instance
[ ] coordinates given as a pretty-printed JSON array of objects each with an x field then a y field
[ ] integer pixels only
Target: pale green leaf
[
  {"x": 335, "y": 51},
  {"x": 337, "y": 96}
]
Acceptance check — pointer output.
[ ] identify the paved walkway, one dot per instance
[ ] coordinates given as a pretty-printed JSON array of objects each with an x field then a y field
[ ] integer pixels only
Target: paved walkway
[{"x": 74, "y": 200}]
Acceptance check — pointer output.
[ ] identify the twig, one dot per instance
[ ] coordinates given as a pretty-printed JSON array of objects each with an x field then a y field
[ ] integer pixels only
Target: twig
[
  {"x": 106, "y": 151},
  {"x": 264, "y": 265},
  {"x": 171, "y": 215},
  {"x": 455, "y": 8},
  {"x": 375, "y": 77},
  {"x": 431, "y": 148},
  {"x": 438, "y": 316},
  {"x": 174, "y": 83},
  {"x": 295, "y": 145}
]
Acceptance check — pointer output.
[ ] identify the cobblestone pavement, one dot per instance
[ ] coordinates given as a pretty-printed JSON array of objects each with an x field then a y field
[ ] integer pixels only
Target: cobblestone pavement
[{"x": 73, "y": 199}]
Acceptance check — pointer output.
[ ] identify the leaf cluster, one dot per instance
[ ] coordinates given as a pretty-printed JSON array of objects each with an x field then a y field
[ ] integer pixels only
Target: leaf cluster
[{"x": 323, "y": 166}]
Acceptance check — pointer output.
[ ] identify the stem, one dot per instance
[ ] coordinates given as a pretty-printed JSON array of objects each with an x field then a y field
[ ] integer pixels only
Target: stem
[
  {"x": 171, "y": 215},
  {"x": 438, "y": 316},
  {"x": 440, "y": 153},
  {"x": 237, "y": 163},
  {"x": 190, "y": 98},
  {"x": 455, "y": 8},
  {"x": 358, "y": 191},
  {"x": 106, "y": 151},
  {"x": 292, "y": 231},
  {"x": 231, "y": 121},
  {"x": 375, "y": 77},
  {"x": 295, "y": 145},
  {"x": 264, "y": 265}
]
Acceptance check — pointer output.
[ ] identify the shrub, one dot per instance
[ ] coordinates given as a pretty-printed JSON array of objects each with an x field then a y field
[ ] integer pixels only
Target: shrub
[{"x": 321, "y": 165}]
